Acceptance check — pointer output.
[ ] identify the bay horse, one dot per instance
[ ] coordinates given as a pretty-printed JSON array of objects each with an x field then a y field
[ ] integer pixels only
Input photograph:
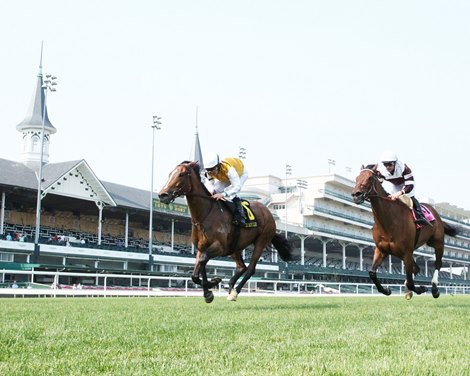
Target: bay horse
[
  {"x": 213, "y": 232},
  {"x": 394, "y": 232}
]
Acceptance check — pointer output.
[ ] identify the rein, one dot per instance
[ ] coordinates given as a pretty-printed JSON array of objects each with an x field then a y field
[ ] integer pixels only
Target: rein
[
  {"x": 369, "y": 194},
  {"x": 189, "y": 193}
]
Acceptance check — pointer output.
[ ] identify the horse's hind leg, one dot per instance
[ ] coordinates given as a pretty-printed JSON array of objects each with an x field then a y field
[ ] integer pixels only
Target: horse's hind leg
[
  {"x": 439, "y": 250},
  {"x": 241, "y": 268},
  {"x": 376, "y": 262},
  {"x": 251, "y": 269}
]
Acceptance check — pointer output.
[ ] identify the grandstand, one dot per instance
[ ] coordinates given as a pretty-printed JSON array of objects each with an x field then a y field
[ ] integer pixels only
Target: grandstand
[{"x": 91, "y": 225}]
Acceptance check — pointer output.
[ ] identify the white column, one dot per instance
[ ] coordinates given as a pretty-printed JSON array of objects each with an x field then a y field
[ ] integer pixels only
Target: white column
[
  {"x": 302, "y": 249},
  {"x": 344, "y": 255},
  {"x": 324, "y": 254},
  {"x": 361, "y": 259},
  {"x": 172, "y": 234},
  {"x": 126, "y": 231},
  {"x": 2, "y": 214},
  {"x": 390, "y": 270},
  {"x": 100, "y": 219}
]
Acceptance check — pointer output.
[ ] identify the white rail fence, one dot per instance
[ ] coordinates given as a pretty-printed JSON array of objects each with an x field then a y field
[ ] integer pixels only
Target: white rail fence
[{"x": 112, "y": 285}]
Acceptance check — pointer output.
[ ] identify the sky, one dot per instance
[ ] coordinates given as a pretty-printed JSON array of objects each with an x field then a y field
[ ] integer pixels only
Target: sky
[{"x": 293, "y": 82}]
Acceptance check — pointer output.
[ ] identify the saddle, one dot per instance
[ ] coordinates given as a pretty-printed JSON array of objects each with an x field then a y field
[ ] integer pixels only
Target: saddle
[
  {"x": 250, "y": 219},
  {"x": 426, "y": 212}
]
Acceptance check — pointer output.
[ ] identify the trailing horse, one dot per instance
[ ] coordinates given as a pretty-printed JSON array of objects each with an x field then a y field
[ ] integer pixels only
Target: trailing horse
[
  {"x": 213, "y": 233},
  {"x": 395, "y": 233}
]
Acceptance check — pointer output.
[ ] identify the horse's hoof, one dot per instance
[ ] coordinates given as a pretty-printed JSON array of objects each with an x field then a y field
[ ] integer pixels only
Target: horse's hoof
[
  {"x": 408, "y": 295},
  {"x": 435, "y": 291},
  {"x": 232, "y": 297},
  {"x": 209, "y": 297},
  {"x": 387, "y": 291},
  {"x": 215, "y": 281}
]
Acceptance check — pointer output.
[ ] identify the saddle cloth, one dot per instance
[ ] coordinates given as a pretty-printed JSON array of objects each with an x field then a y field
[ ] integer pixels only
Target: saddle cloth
[
  {"x": 250, "y": 219},
  {"x": 427, "y": 213}
]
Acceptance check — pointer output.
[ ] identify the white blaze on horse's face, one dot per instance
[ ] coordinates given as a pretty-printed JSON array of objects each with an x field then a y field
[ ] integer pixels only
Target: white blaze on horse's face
[
  {"x": 170, "y": 178},
  {"x": 167, "y": 193}
]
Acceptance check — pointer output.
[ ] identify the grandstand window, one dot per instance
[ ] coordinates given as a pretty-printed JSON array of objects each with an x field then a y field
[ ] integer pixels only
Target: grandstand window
[{"x": 7, "y": 257}]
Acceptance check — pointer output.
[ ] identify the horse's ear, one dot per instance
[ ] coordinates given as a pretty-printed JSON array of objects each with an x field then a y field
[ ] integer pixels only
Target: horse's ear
[{"x": 195, "y": 166}]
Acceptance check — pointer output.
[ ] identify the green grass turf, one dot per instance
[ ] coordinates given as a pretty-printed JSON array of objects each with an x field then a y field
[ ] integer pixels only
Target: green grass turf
[{"x": 253, "y": 336}]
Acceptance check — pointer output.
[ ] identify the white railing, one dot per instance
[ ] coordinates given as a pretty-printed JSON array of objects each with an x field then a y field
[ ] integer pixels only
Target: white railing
[{"x": 183, "y": 286}]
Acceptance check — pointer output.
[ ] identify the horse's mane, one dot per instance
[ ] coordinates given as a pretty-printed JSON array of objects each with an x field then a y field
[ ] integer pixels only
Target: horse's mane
[
  {"x": 372, "y": 167},
  {"x": 193, "y": 165}
]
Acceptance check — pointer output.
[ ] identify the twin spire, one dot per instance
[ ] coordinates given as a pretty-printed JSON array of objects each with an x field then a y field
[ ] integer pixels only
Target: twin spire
[
  {"x": 31, "y": 126},
  {"x": 196, "y": 154}
]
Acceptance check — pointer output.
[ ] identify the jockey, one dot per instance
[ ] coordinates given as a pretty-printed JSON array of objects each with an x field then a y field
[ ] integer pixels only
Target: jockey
[
  {"x": 225, "y": 179},
  {"x": 402, "y": 181}
]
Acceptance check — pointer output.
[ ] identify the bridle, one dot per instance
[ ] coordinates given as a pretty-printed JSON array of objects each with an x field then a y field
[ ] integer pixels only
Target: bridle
[
  {"x": 371, "y": 191},
  {"x": 180, "y": 191}
]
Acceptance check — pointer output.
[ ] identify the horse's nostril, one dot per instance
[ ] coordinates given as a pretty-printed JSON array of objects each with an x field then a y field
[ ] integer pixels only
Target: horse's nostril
[{"x": 163, "y": 197}]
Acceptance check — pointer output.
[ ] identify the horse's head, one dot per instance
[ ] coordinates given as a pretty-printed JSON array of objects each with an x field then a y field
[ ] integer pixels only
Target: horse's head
[
  {"x": 364, "y": 184},
  {"x": 180, "y": 182}
]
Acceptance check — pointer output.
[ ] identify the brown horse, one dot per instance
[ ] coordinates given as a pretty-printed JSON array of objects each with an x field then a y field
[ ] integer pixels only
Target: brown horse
[
  {"x": 395, "y": 232},
  {"x": 213, "y": 233}
]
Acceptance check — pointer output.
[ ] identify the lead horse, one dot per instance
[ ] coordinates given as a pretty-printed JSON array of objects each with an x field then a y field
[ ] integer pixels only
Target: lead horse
[
  {"x": 394, "y": 232},
  {"x": 213, "y": 233}
]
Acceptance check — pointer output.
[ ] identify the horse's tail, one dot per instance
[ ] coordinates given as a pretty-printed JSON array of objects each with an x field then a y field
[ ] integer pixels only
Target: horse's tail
[
  {"x": 283, "y": 247},
  {"x": 451, "y": 230}
]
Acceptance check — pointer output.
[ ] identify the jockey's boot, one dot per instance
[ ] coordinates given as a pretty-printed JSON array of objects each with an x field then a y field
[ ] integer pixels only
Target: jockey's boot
[
  {"x": 420, "y": 219},
  {"x": 238, "y": 219}
]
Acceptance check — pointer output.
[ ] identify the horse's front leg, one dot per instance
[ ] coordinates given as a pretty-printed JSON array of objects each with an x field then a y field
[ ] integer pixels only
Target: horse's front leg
[
  {"x": 206, "y": 285},
  {"x": 196, "y": 270},
  {"x": 376, "y": 262}
]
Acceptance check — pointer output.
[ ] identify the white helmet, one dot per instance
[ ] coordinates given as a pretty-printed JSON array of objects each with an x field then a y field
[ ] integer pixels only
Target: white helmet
[
  {"x": 388, "y": 156},
  {"x": 211, "y": 160}
]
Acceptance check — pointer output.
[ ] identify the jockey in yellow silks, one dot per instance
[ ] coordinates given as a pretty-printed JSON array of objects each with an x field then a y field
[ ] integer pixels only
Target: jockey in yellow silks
[{"x": 225, "y": 179}]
